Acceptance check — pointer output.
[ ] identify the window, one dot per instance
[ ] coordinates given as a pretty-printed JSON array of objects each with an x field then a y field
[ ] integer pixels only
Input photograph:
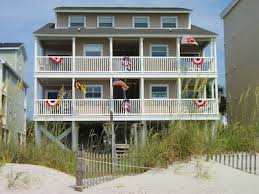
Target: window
[
  {"x": 105, "y": 21},
  {"x": 169, "y": 22},
  {"x": 94, "y": 91},
  {"x": 159, "y": 50},
  {"x": 93, "y": 50},
  {"x": 159, "y": 91},
  {"x": 141, "y": 22},
  {"x": 77, "y": 21}
]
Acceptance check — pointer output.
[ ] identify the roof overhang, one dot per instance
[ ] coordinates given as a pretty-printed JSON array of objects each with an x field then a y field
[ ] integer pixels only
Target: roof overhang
[{"x": 229, "y": 8}]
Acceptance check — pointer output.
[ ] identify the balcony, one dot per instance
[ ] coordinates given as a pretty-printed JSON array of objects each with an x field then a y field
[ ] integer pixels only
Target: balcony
[
  {"x": 167, "y": 109},
  {"x": 131, "y": 65}
]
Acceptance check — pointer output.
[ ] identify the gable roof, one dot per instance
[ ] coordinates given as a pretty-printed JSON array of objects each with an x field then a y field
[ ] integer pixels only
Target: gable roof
[
  {"x": 230, "y": 6},
  {"x": 50, "y": 30},
  {"x": 123, "y": 9}
]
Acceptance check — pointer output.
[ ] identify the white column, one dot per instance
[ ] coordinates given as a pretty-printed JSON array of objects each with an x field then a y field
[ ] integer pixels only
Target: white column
[
  {"x": 213, "y": 89},
  {"x": 74, "y": 136},
  {"x": 74, "y": 53},
  {"x": 142, "y": 95},
  {"x": 111, "y": 94},
  {"x": 35, "y": 54},
  {"x": 141, "y": 52},
  {"x": 215, "y": 53},
  {"x": 73, "y": 95},
  {"x": 217, "y": 95},
  {"x": 179, "y": 91},
  {"x": 212, "y": 47},
  {"x": 143, "y": 133},
  {"x": 178, "y": 53},
  {"x": 111, "y": 52},
  {"x": 35, "y": 94}
]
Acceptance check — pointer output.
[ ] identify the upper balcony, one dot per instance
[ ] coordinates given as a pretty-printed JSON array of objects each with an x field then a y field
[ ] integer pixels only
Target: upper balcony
[{"x": 125, "y": 57}]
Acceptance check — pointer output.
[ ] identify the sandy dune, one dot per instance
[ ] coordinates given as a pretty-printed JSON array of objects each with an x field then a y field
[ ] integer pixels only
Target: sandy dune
[{"x": 191, "y": 178}]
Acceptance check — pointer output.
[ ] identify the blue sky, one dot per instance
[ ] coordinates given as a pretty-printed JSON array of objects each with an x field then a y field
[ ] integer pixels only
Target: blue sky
[{"x": 19, "y": 18}]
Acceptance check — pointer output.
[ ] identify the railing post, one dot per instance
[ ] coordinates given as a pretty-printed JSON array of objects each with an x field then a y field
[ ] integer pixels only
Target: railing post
[
  {"x": 178, "y": 54},
  {"x": 74, "y": 54},
  {"x": 141, "y": 53},
  {"x": 111, "y": 52}
]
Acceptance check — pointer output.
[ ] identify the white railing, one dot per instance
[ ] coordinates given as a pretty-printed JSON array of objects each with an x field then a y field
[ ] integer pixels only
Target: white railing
[
  {"x": 92, "y": 64},
  {"x": 64, "y": 108},
  {"x": 131, "y": 64},
  {"x": 46, "y": 64},
  {"x": 92, "y": 107},
  {"x": 197, "y": 64},
  {"x": 153, "y": 107},
  {"x": 128, "y": 64},
  {"x": 160, "y": 64}
]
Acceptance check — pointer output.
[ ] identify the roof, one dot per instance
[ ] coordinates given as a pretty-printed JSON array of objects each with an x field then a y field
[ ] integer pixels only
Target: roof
[
  {"x": 229, "y": 8},
  {"x": 14, "y": 72},
  {"x": 14, "y": 46},
  {"x": 10, "y": 45},
  {"x": 50, "y": 30},
  {"x": 121, "y": 9}
]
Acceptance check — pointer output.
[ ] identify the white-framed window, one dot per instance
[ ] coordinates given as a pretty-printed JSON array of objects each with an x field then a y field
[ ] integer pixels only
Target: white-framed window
[
  {"x": 94, "y": 91},
  {"x": 159, "y": 91},
  {"x": 159, "y": 50},
  {"x": 77, "y": 21},
  {"x": 140, "y": 22},
  {"x": 169, "y": 22},
  {"x": 105, "y": 21},
  {"x": 93, "y": 50}
]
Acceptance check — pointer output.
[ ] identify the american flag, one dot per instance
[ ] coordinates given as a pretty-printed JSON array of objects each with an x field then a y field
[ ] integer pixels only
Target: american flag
[
  {"x": 189, "y": 40},
  {"x": 126, "y": 105},
  {"x": 118, "y": 82}
]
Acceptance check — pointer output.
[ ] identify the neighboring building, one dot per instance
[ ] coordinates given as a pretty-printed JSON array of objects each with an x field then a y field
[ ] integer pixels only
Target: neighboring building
[
  {"x": 13, "y": 103},
  {"x": 144, "y": 47},
  {"x": 241, "y": 44}
]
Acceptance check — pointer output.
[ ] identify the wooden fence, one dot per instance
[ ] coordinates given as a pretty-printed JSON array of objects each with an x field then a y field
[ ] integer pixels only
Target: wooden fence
[
  {"x": 243, "y": 161},
  {"x": 94, "y": 168}
]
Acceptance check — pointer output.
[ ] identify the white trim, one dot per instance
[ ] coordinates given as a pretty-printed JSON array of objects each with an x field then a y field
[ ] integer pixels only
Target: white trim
[
  {"x": 159, "y": 85},
  {"x": 84, "y": 48},
  {"x": 76, "y": 16},
  {"x": 97, "y": 21},
  {"x": 153, "y": 45},
  {"x": 95, "y": 85},
  {"x": 47, "y": 91},
  {"x": 176, "y": 21},
  {"x": 133, "y": 22},
  {"x": 229, "y": 8}
]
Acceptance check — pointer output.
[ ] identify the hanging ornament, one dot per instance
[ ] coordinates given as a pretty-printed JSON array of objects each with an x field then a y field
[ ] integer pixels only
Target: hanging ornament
[
  {"x": 189, "y": 40},
  {"x": 200, "y": 103},
  {"x": 80, "y": 87},
  {"x": 126, "y": 62},
  {"x": 198, "y": 61},
  {"x": 53, "y": 103},
  {"x": 126, "y": 105},
  {"x": 56, "y": 60}
]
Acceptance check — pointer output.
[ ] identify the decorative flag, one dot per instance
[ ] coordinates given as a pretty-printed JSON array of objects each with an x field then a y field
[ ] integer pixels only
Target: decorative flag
[
  {"x": 198, "y": 61},
  {"x": 200, "y": 103},
  {"x": 189, "y": 40},
  {"x": 57, "y": 60},
  {"x": 126, "y": 62},
  {"x": 126, "y": 105},
  {"x": 118, "y": 82},
  {"x": 53, "y": 103},
  {"x": 80, "y": 86}
]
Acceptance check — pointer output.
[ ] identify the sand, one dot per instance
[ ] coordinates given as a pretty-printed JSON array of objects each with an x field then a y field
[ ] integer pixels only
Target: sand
[{"x": 196, "y": 177}]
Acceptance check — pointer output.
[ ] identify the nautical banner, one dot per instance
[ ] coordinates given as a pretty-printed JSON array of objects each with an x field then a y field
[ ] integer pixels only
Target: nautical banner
[
  {"x": 80, "y": 87},
  {"x": 200, "y": 103},
  {"x": 198, "y": 61},
  {"x": 126, "y": 62},
  {"x": 126, "y": 105},
  {"x": 56, "y": 60},
  {"x": 53, "y": 103},
  {"x": 118, "y": 82}
]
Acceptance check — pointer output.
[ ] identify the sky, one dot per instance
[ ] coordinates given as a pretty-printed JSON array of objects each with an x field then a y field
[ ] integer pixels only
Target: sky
[{"x": 20, "y": 18}]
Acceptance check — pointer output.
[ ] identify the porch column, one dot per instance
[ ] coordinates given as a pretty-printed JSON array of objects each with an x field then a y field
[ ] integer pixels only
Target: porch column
[
  {"x": 111, "y": 94},
  {"x": 179, "y": 93},
  {"x": 35, "y": 95},
  {"x": 73, "y": 96},
  {"x": 143, "y": 133},
  {"x": 213, "y": 89},
  {"x": 36, "y": 44},
  {"x": 74, "y": 136},
  {"x": 215, "y": 53},
  {"x": 217, "y": 95},
  {"x": 38, "y": 134},
  {"x": 141, "y": 52},
  {"x": 178, "y": 53},
  {"x": 142, "y": 89},
  {"x": 111, "y": 52},
  {"x": 74, "y": 54}
]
